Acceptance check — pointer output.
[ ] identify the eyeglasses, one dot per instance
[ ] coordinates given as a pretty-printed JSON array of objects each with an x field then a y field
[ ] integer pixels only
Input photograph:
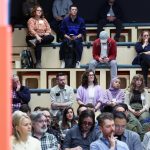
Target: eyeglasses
[
  {"x": 120, "y": 127},
  {"x": 39, "y": 10},
  {"x": 87, "y": 123},
  {"x": 145, "y": 35},
  {"x": 91, "y": 75},
  {"x": 47, "y": 116},
  {"x": 42, "y": 121}
]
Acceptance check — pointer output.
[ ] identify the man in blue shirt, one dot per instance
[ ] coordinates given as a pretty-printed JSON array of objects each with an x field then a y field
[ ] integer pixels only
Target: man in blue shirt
[
  {"x": 73, "y": 29},
  {"x": 107, "y": 141},
  {"x": 132, "y": 139}
]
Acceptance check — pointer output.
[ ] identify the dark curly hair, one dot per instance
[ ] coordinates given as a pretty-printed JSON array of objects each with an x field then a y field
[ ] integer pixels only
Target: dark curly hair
[{"x": 85, "y": 75}]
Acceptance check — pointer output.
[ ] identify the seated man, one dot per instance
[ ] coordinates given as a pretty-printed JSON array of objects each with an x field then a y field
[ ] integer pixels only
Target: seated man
[
  {"x": 146, "y": 141},
  {"x": 107, "y": 141},
  {"x": 104, "y": 52},
  {"x": 39, "y": 126},
  {"x": 50, "y": 130},
  {"x": 61, "y": 96},
  {"x": 133, "y": 123},
  {"x": 132, "y": 139},
  {"x": 60, "y": 10},
  {"x": 111, "y": 13},
  {"x": 20, "y": 94},
  {"x": 73, "y": 29}
]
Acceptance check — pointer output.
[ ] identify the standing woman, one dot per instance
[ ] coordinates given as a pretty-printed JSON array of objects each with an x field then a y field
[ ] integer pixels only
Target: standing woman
[
  {"x": 137, "y": 98},
  {"x": 39, "y": 32},
  {"x": 90, "y": 91},
  {"x": 143, "y": 49},
  {"x": 21, "y": 139}
]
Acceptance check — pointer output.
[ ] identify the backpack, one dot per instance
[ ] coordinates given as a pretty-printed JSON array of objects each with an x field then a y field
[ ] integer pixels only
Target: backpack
[{"x": 26, "y": 59}]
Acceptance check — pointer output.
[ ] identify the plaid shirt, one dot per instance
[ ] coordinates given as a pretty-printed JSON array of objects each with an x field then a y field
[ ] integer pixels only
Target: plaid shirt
[{"x": 48, "y": 142}]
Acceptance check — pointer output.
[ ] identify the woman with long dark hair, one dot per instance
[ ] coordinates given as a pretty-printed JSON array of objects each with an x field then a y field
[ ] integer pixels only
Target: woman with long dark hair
[
  {"x": 90, "y": 91},
  {"x": 39, "y": 32},
  {"x": 68, "y": 120}
]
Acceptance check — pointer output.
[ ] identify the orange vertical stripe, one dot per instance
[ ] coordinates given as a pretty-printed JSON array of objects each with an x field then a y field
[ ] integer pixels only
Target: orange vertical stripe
[{"x": 5, "y": 87}]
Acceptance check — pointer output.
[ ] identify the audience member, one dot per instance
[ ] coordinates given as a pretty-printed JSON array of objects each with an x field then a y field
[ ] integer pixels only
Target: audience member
[
  {"x": 60, "y": 10},
  {"x": 90, "y": 91},
  {"x": 50, "y": 130},
  {"x": 27, "y": 9},
  {"x": 142, "y": 48},
  {"x": 68, "y": 121},
  {"x": 21, "y": 138},
  {"x": 26, "y": 109},
  {"x": 146, "y": 141},
  {"x": 137, "y": 98},
  {"x": 104, "y": 52},
  {"x": 111, "y": 12},
  {"x": 20, "y": 94},
  {"x": 39, "y": 124},
  {"x": 73, "y": 29},
  {"x": 81, "y": 136},
  {"x": 81, "y": 108},
  {"x": 61, "y": 96},
  {"x": 133, "y": 123},
  {"x": 37, "y": 108},
  {"x": 132, "y": 139},
  {"x": 90, "y": 106},
  {"x": 114, "y": 94},
  {"x": 107, "y": 141},
  {"x": 39, "y": 32}
]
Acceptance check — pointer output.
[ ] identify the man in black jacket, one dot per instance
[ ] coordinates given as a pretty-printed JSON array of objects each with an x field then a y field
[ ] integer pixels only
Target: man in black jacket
[
  {"x": 111, "y": 13},
  {"x": 20, "y": 94}
]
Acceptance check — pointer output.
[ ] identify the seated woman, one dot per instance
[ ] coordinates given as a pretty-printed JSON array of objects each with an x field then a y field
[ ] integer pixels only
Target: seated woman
[
  {"x": 114, "y": 94},
  {"x": 68, "y": 121},
  {"x": 82, "y": 135},
  {"x": 39, "y": 32},
  {"x": 137, "y": 98},
  {"x": 21, "y": 138},
  {"x": 143, "y": 50},
  {"x": 90, "y": 91}
]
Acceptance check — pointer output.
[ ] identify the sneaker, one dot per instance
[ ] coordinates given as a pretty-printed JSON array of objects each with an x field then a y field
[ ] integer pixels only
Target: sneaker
[
  {"x": 78, "y": 64},
  {"x": 33, "y": 42},
  {"x": 38, "y": 65},
  {"x": 62, "y": 64}
]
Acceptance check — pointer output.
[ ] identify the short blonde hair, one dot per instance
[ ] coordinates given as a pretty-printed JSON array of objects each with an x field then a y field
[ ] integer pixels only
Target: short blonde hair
[{"x": 17, "y": 117}]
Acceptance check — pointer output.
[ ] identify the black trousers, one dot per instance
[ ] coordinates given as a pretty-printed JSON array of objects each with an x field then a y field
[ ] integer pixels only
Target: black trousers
[
  {"x": 38, "y": 49},
  {"x": 55, "y": 25},
  {"x": 116, "y": 22},
  {"x": 145, "y": 65},
  {"x": 77, "y": 44}
]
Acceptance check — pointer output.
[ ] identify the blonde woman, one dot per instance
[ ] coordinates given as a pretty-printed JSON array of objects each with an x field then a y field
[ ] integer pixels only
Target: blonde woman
[{"x": 21, "y": 139}]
